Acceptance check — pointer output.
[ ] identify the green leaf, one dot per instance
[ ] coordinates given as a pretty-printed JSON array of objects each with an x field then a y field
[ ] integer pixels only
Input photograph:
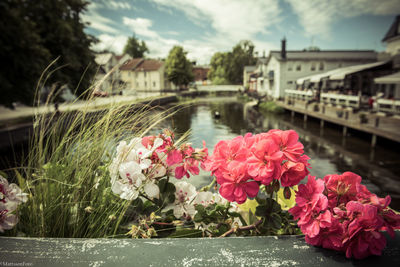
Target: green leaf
[
  {"x": 276, "y": 221},
  {"x": 261, "y": 211},
  {"x": 4, "y": 174},
  {"x": 198, "y": 217},
  {"x": 21, "y": 180}
]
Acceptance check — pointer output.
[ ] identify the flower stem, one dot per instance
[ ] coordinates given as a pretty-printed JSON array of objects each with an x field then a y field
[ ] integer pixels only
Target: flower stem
[
  {"x": 243, "y": 228},
  {"x": 208, "y": 187}
]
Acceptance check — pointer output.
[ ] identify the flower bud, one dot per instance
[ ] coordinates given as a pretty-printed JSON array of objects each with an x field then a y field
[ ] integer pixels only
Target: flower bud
[
  {"x": 276, "y": 186},
  {"x": 287, "y": 193},
  {"x": 89, "y": 209}
]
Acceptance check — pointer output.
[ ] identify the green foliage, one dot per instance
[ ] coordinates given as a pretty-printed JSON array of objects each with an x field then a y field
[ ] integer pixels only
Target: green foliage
[
  {"x": 34, "y": 33},
  {"x": 227, "y": 67},
  {"x": 135, "y": 48},
  {"x": 178, "y": 67},
  {"x": 270, "y": 107}
]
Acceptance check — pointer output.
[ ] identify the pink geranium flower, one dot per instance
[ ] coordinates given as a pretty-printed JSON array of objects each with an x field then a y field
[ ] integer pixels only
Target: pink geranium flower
[
  {"x": 288, "y": 142},
  {"x": 351, "y": 222},
  {"x": 367, "y": 243},
  {"x": 235, "y": 184},
  {"x": 225, "y": 152},
  {"x": 342, "y": 188},
  {"x": 190, "y": 165},
  {"x": 294, "y": 172},
  {"x": 264, "y": 164}
]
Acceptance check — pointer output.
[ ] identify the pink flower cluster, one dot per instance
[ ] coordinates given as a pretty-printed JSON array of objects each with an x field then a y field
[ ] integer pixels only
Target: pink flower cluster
[
  {"x": 183, "y": 160},
  {"x": 341, "y": 214},
  {"x": 242, "y": 164}
]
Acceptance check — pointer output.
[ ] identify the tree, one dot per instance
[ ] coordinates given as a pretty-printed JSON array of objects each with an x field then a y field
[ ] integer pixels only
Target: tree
[
  {"x": 178, "y": 67},
  {"x": 34, "y": 33},
  {"x": 22, "y": 54},
  {"x": 218, "y": 67},
  {"x": 242, "y": 55},
  {"x": 227, "y": 67},
  {"x": 134, "y": 48}
]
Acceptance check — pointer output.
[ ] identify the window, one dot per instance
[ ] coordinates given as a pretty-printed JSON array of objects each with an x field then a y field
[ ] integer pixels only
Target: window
[
  {"x": 298, "y": 67},
  {"x": 313, "y": 66},
  {"x": 145, "y": 83},
  {"x": 154, "y": 84},
  {"x": 321, "y": 66},
  {"x": 290, "y": 67},
  {"x": 144, "y": 74},
  {"x": 289, "y": 82}
]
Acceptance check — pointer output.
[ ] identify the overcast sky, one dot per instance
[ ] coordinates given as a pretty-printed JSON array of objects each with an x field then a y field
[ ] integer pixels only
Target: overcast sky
[{"x": 204, "y": 27}]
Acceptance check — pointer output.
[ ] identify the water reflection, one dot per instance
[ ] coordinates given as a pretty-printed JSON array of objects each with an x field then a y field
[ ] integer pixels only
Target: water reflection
[{"x": 329, "y": 151}]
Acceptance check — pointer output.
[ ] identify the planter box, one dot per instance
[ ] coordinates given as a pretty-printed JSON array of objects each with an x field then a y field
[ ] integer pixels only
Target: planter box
[{"x": 236, "y": 251}]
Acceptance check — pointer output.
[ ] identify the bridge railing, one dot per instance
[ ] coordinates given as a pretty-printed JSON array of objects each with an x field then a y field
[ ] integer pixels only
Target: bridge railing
[
  {"x": 339, "y": 99},
  {"x": 388, "y": 105}
]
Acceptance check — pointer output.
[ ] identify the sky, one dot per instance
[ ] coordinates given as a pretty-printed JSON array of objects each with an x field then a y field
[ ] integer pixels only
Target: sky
[{"x": 204, "y": 27}]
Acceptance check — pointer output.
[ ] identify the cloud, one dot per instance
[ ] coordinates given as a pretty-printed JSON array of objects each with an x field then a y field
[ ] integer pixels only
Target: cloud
[
  {"x": 318, "y": 16},
  {"x": 141, "y": 26},
  {"x": 111, "y": 43},
  {"x": 112, "y": 4},
  {"x": 234, "y": 19},
  {"x": 118, "y": 5},
  {"x": 97, "y": 21}
]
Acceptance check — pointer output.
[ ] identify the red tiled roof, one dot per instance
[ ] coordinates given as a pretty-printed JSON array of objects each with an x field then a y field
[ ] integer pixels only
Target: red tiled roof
[
  {"x": 119, "y": 57},
  {"x": 131, "y": 64},
  {"x": 140, "y": 64},
  {"x": 149, "y": 65}
]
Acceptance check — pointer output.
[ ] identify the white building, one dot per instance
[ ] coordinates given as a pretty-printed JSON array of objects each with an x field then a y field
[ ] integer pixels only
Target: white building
[
  {"x": 107, "y": 77},
  {"x": 280, "y": 70},
  {"x": 392, "y": 38},
  {"x": 144, "y": 75}
]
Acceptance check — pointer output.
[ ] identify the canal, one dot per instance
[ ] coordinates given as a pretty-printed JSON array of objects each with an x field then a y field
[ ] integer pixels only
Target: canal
[{"x": 329, "y": 151}]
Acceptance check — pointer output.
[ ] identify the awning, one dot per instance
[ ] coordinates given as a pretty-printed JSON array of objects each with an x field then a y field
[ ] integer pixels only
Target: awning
[
  {"x": 392, "y": 78},
  {"x": 316, "y": 77},
  {"x": 341, "y": 73},
  {"x": 338, "y": 74}
]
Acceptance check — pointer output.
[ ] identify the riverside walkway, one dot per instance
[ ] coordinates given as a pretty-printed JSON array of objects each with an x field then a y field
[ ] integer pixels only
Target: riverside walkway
[{"x": 98, "y": 102}]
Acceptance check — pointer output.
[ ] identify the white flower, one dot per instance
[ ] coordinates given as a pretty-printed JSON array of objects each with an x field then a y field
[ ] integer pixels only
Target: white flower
[
  {"x": 152, "y": 190},
  {"x": 10, "y": 197},
  {"x": 157, "y": 171},
  {"x": 7, "y": 220},
  {"x": 128, "y": 167},
  {"x": 131, "y": 178},
  {"x": 11, "y": 192},
  {"x": 184, "y": 194},
  {"x": 204, "y": 198}
]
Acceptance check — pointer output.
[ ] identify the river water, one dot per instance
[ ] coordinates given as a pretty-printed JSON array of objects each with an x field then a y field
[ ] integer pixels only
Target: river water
[{"x": 329, "y": 152}]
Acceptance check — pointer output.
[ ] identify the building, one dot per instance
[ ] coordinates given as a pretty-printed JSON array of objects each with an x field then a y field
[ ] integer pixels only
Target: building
[
  {"x": 247, "y": 72},
  {"x": 144, "y": 75},
  {"x": 280, "y": 70},
  {"x": 392, "y": 38},
  {"x": 107, "y": 78},
  {"x": 200, "y": 74}
]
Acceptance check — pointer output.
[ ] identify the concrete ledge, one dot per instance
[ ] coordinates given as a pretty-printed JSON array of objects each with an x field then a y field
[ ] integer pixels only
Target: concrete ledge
[{"x": 245, "y": 251}]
